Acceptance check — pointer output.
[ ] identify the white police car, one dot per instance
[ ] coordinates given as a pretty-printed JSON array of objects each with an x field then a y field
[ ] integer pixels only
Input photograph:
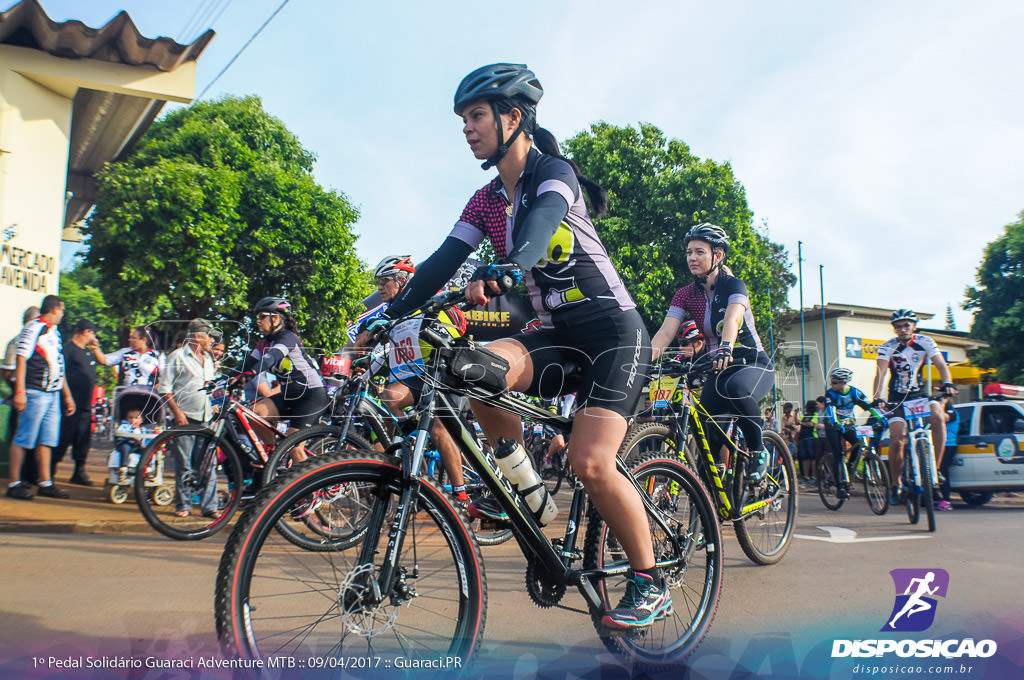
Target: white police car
[{"x": 990, "y": 446}]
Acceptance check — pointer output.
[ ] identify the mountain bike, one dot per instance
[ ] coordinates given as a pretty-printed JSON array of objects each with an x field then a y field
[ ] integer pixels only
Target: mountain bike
[
  {"x": 415, "y": 587},
  {"x": 200, "y": 465},
  {"x": 356, "y": 410},
  {"x": 764, "y": 513},
  {"x": 863, "y": 463},
  {"x": 919, "y": 473}
]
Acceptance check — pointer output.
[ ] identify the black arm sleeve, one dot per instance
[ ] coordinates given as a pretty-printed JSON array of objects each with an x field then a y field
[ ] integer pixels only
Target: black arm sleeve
[
  {"x": 264, "y": 363},
  {"x": 430, "y": 276},
  {"x": 546, "y": 213}
]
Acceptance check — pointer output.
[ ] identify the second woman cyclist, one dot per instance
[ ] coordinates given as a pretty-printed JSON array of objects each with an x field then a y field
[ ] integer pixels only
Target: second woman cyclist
[
  {"x": 719, "y": 303},
  {"x": 303, "y": 397},
  {"x": 534, "y": 214}
]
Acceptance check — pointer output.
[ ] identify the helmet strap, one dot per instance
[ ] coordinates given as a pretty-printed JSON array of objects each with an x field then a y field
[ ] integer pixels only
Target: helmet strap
[{"x": 503, "y": 146}]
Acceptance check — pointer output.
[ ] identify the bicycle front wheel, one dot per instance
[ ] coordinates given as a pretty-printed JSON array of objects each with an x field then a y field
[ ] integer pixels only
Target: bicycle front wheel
[
  {"x": 688, "y": 548},
  {"x": 198, "y": 472},
  {"x": 274, "y": 598},
  {"x": 876, "y": 483},
  {"x": 924, "y": 455},
  {"x": 765, "y": 533},
  {"x": 911, "y": 490},
  {"x": 827, "y": 487}
]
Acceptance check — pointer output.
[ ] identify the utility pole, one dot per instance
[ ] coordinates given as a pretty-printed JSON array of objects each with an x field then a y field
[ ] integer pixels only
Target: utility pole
[{"x": 800, "y": 278}]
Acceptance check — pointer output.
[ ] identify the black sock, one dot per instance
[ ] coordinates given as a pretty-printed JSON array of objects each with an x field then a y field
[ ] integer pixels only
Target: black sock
[{"x": 653, "y": 572}]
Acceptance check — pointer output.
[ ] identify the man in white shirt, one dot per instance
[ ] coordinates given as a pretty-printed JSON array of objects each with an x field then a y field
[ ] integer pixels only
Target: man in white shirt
[{"x": 188, "y": 369}]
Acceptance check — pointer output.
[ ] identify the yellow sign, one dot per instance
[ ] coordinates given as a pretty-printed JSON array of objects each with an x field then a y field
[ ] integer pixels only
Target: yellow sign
[
  {"x": 662, "y": 389},
  {"x": 862, "y": 348}
]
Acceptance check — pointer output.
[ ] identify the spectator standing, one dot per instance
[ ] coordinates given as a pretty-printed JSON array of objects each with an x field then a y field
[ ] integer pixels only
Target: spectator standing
[
  {"x": 81, "y": 353},
  {"x": 790, "y": 425},
  {"x": 810, "y": 424},
  {"x": 952, "y": 419},
  {"x": 188, "y": 369},
  {"x": 769, "y": 420},
  {"x": 38, "y": 386},
  {"x": 138, "y": 363},
  {"x": 28, "y": 464}
]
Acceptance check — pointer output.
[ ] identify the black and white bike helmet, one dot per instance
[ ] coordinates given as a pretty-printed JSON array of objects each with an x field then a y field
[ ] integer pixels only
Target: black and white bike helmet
[
  {"x": 903, "y": 315},
  {"x": 841, "y": 374}
]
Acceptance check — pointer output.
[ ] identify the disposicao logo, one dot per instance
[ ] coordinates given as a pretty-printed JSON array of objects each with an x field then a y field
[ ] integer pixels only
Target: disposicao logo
[
  {"x": 913, "y": 611},
  {"x": 916, "y": 590}
]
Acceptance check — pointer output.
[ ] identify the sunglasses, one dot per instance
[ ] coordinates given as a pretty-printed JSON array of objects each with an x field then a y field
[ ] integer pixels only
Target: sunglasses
[{"x": 264, "y": 315}]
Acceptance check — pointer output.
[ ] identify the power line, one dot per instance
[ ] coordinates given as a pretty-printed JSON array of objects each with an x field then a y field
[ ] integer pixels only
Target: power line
[
  {"x": 188, "y": 24},
  {"x": 239, "y": 53}
]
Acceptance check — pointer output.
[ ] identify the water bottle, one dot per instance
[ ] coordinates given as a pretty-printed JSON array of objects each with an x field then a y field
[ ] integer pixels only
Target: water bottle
[{"x": 516, "y": 466}]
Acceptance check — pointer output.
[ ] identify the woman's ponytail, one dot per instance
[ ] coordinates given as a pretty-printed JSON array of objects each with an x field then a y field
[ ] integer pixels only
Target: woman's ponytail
[{"x": 547, "y": 143}]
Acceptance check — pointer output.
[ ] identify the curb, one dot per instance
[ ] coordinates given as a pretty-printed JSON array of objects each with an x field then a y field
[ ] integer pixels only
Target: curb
[{"x": 29, "y": 526}]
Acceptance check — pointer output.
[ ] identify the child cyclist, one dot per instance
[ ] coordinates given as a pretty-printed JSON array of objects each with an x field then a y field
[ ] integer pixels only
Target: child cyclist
[
  {"x": 842, "y": 397},
  {"x": 534, "y": 214}
]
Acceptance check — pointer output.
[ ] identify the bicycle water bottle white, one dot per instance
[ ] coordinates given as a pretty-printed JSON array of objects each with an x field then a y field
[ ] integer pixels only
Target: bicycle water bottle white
[{"x": 516, "y": 466}]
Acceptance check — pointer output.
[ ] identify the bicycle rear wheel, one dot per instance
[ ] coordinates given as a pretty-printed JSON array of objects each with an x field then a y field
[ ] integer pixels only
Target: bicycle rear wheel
[
  {"x": 324, "y": 521},
  {"x": 924, "y": 455},
  {"x": 827, "y": 488},
  {"x": 765, "y": 534},
  {"x": 876, "y": 483},
  {"x": 276, "y": 599},
  {"x": 690, "y": 556},
  {"x": 201, "y": 472}
]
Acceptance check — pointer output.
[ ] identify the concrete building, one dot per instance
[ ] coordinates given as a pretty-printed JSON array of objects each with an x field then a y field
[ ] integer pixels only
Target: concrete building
[
  {"x": 849, "y": 337},
  {"x": 71, "y": 98}
]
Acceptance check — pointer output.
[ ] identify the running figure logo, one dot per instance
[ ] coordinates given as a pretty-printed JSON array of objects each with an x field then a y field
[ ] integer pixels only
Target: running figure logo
[{"x": 916, "y": 589}]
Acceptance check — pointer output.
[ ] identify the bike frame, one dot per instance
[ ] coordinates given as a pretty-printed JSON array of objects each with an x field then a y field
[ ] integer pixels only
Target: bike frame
[
  {"x": 556, "y": 556},
  {"x": 919, "y": 429},
  {"x": 691, "y": 411}
]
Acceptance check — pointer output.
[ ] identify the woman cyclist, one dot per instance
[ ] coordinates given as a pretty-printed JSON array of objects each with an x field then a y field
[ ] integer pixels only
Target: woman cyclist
[
  {"x": 534, "y": 214},
  {"x": 718, "y": 302},
  {"x": 302, "y": 397}
]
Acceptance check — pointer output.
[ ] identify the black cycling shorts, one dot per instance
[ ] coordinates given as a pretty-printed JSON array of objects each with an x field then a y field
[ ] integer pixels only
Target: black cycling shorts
[
  {"x": 612, "y": 355},
  {"x": 302, "y": 407}
]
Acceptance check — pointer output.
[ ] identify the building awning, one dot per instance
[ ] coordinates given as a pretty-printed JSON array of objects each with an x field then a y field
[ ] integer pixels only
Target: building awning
[
  {"x": 963, "y": 373},
  {"x": 105, "y": 124}
]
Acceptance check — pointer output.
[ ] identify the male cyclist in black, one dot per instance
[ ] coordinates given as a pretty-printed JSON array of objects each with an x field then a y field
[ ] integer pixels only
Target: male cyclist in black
[{"x": 903, "y": 357}]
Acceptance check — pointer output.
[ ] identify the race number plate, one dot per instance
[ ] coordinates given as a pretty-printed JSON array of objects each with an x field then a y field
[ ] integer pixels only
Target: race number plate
[
  {"x": 916, "y": 408},
  {"x": 865, "y": 431},
  {"x": 661, "y": 391}
]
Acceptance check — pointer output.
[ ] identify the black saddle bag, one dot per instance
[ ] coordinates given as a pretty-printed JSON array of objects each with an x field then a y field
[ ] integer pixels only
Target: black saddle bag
[{"x": 469, "y": 366}]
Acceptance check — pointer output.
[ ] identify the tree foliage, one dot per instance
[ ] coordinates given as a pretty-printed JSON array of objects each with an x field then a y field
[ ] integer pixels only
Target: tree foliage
[
  {"x": 216, "y": 208},
  {"x": 657, "y": 191},
  {"x": 998, "y": 304}
]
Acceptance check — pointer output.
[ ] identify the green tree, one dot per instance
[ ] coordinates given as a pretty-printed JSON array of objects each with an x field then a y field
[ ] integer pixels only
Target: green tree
[
  {"x": 998, "y": 304},
  {"x": 216, "y": 208},
  {"x": 658, "y": 190},
  {"x": 950, "y": 321}
]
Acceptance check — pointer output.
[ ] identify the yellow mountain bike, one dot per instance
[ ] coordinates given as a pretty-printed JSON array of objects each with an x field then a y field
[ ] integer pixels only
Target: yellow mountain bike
[{"x": 763, "y": 513}]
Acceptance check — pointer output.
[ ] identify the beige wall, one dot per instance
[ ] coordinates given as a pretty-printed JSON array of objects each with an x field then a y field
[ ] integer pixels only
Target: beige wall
[
  {"x": 36, "y": 95},
  {"x": 35, "y": 126}
]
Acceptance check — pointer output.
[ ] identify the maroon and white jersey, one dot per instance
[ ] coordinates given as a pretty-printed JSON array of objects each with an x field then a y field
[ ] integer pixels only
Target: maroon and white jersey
[{"x": 575, "y": 281}]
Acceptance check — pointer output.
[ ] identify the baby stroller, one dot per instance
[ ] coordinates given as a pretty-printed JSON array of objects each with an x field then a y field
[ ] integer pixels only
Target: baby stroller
[{"x": 130, "y": 439}]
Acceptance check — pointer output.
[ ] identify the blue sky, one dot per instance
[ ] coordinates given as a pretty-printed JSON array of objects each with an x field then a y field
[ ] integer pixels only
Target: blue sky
[{"x": 886, "y": 136}]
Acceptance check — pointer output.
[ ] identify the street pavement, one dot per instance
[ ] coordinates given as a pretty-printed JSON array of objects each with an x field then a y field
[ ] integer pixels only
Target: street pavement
[{"x": 86, "y": 578}]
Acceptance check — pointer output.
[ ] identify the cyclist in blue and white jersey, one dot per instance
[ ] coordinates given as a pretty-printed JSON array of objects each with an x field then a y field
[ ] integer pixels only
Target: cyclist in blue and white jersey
[
  {"x": 903, "y": 358},
  {"x": 842, "y": 397},
  {"x": 535, "y": 216},
  {"x": 405, "y": 364}
]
